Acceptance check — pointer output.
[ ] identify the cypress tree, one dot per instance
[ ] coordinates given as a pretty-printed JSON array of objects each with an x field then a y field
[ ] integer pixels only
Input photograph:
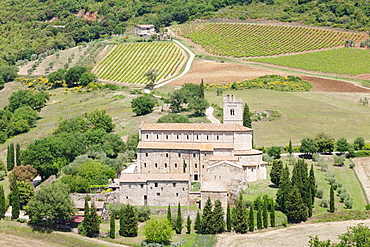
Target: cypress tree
[
  {"x": 251, "y": 219},
  {"x": 247, "y": 121},
  {"x": 201, "y": 89},
  {"x": 272, "y": 213},
  {"x": 290, "y": 148},
  {"x": 94, "y": 228},
  {"x": 331, "y": 208},
  {"x": 259, "y": 214},
  {"x": 206, "y": 226},
  {"x": 169, "y": 215},
  {"x": 276, "y": 170},
  {"x": 285, "y": 186},
  {"x": 129, "y": 227},
  {"x": 296, "y": 209},
  {"x": 240, "y": 221},
  {"x": 121, "y": 221},
  {"x": 10, "y": 157},
  {"x": 218, "y": 218},
  {"x": 309, "y": 203},
  {"x": 228, "y": 218},
  {"x": 17, "y": 155},
  {"x": 197, "y": 225},
  {"x": 112, "y": 227},
  {"x": 178, "y": 228},
  {"x": 312, "y": 182},
  {"x": 264, "y": 213},
  {"x": 188, "y": 225},
  {"x": 2, "y": 203},
  {"x": 15, "y": 198}
]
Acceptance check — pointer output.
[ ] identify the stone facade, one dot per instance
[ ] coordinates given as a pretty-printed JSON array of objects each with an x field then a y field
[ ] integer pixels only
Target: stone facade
[{"x": 183, "y": 153}]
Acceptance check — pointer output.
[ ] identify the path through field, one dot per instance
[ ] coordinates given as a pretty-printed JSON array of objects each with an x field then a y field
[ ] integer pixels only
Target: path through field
[{"x": 297, "y": 235}]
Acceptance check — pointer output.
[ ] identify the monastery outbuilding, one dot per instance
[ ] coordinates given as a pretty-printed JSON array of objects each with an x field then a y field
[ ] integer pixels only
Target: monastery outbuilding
[{"x": 174, "y": 156}]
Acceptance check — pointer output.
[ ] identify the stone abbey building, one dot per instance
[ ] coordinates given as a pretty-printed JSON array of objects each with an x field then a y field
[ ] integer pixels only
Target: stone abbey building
[{"x": 172, "y": 156}]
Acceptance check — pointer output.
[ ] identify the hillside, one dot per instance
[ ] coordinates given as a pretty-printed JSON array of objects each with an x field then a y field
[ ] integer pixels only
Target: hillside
[{"x": 34, "y": 27}]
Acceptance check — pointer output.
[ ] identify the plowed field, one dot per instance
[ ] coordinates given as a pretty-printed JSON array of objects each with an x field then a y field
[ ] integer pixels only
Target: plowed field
[{"x": 220, "y": 73}]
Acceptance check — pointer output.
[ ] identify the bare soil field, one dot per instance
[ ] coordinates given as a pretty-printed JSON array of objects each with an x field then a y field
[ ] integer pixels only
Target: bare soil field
[
  {"x": 213, "y": 72},
  {"x": 297, "y": 235}
]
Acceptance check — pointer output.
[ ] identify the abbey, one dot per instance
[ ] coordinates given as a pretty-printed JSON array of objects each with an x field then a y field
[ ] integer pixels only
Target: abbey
[{"x": 171, "y": 156}]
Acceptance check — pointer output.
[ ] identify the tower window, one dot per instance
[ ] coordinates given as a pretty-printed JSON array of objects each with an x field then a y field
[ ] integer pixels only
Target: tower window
[
  {"x": 177, "y": 137},
  {"x": 167, "y": 137},
  {"x": 196, "y": 165},
  {"x": 179, "y": 154},
  {"x": 156, "y": 165},
  {"x": 194, "y": 155},
  {"x": 157, "y": 136},
  {"x": 145, "y": 165},
  {"x": 174, "y": 184},
  {"x": 147, "y": 136},
  {"x": 146, "y": 154},
  {"x": 217, "y": 137},
  {"x": 165, "y": 165},
  {"x": 197, "y": 137},
  {"x": 166, "y": 154},
  {"x": 175, "y": 165},
  {"x": 232, "y": 112},
  {"x": 155, "y": 184}
]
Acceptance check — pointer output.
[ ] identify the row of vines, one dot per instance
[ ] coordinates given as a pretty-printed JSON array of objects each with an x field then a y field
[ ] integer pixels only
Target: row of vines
[
  {"x": 252, "y": 40},
  {"x": 129, "y": 62}
]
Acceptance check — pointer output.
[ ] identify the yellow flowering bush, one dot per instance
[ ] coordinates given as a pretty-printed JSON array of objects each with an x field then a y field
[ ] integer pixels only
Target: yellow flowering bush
[{"x": 272, "y": 82}]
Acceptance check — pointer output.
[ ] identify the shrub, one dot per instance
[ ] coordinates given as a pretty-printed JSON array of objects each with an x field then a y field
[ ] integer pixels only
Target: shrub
[
  {"x": 111, "y": 86},
  {"x": 367, "y": 206},
  {"x": 319, "y": 193},
  {"x": 362, "y": 153},
  {"x": 339, "y": 160},
  {"x": 324, "y": 203},
  {"x": 351, "y": 164},
  {"x": 274, "y": 152},
  {"x": 22, "y": 220},
  {"x": 315, "y": 157},
  {"x": 348, "y": 203}
]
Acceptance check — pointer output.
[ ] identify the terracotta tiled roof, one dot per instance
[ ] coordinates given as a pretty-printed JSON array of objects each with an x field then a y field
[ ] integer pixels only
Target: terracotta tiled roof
[
  {"x": 247, "y": 152},
  {"x": 188, "y": 146},
  {"x": 220, "y": 186},
  {"x": 217, "y": 158},
  {"x": 193, "y": 127},
  {"x": 144, "y": 177}
]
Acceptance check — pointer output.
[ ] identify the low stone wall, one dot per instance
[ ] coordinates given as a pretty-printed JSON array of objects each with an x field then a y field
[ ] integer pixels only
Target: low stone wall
[{"x": 109, "y": 197}]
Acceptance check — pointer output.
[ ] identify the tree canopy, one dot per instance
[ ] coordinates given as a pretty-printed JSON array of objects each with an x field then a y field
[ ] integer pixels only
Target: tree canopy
[{"x": 143, "y": 104}]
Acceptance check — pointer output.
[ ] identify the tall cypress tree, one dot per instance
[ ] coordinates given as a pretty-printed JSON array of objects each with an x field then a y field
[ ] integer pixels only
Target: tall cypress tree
[
  {"x": 197, "y": 224},
  {"x": 178, "y": 228},
  {"x": 228, "y": 218},
  {"x": 259, "y": 213},
  {"x": 247, "y": 121},
  {"x": 206, "y": 225},
  {"x": 309, "y": 203},
  {"x": 15, "y": 198},
  {"x": 169, "y": 215},
  {"x": 296, "y": 209},
  {"x": 332, "y": 207},
  {"x": 264, "y": 213},
  {"x": 251, "y": 219},
  {"x": 121, "y": 221},
  {"x": 290, "y": 148},
  {"x": 312, "y": 182},
  {"x": 112, "y": 226},
  {"x": 94, "y": 221},
  {"x": 240, "y": 221},
  {"x": 10, "y": 157},
  {"x": 276, "y": 170},
  {"x": 285, "y": 186},
  {"x": 86, "y": 223},
  {"x": 17, "y": 155},
  {"x": 218, "y": 218},
  {"x": 272, "y": 213},
  {"x": 2, "y": 203},
  {"x": 188, "y": 225},
  {"x": 129, "y": 221},
  {"x": 201, "y": 89}
]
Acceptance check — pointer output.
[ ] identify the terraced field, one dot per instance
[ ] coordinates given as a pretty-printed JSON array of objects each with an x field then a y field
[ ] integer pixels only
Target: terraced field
[
  {"x": 129, "y": 62},
  {"x": 252, "y": 40}
]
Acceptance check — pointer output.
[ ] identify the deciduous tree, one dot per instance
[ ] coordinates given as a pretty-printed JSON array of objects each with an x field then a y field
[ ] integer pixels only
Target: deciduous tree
[
  {"x": 143, "y": 105},
  {"x": 158, "y": 230},
  {"x": 308, "y": 146},
  {"x": 325, "y": 143},
  {"x": 359, "y": 143}
]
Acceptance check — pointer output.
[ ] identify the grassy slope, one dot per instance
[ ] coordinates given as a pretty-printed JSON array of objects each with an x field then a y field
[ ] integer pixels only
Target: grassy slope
[
  {"x": 304, "y": 114},
  {"x": 341, "y": 61}
]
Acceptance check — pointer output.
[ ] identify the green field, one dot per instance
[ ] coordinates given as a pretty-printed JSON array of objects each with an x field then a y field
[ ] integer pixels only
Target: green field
[
  {"x": 129, "y": 62},
  {"x": 347, "y": 61},
  {"x": 251, "y": 40},
  {"x": 303, "y": 114}
]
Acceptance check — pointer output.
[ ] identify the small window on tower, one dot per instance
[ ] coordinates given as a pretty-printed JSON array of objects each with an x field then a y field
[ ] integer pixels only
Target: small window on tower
[{"x": 232, "y": 112}]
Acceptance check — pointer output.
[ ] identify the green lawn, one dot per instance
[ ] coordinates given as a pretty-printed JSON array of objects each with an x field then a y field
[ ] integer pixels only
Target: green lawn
[
  {"x": 304, "y": 114},
  {"x": 348, "y": 61}
]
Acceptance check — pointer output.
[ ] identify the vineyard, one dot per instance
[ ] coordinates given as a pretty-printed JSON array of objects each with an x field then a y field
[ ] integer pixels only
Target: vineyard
[
  {"x": 252, "y": 40},
  {"x": 129, "y": 62},
  {"x": 348, "y": 61}
]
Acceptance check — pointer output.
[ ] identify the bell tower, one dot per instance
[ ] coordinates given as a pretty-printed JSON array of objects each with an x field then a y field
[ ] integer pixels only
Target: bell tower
[{"x": 233, "y": 110}]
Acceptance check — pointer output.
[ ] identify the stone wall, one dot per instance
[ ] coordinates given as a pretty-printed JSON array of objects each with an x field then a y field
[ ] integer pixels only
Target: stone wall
[{"x": 109, "y": 197}]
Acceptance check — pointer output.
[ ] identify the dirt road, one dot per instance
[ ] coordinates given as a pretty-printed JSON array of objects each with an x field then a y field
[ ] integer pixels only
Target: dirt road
[{"x": 297, "y": 235}]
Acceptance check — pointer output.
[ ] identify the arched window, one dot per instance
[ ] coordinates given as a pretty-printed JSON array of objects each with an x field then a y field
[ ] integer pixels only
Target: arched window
[{"x": 232, "y": 112}]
